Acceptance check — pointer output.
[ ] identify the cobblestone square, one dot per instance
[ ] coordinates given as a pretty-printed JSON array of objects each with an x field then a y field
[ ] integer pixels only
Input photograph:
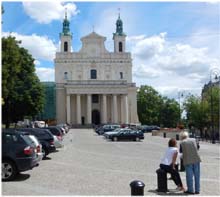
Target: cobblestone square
[{"x": 90, "y": 165}]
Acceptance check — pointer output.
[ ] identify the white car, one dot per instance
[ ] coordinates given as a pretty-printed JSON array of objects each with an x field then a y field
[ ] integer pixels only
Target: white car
[
  {"x": 38, "y": 147},
  {"x": 58, "y": 143}
]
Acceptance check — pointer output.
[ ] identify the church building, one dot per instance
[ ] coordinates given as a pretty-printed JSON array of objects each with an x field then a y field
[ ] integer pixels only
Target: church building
[{"x": 93, "y": 85}]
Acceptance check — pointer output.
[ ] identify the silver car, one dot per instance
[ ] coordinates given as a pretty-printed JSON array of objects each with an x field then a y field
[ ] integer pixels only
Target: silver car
[
  {"x": 38, "y": 147},
  {"x": 58, "y": 142}
]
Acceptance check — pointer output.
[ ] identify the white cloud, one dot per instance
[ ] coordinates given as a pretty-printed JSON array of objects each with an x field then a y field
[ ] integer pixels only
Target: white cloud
[
  {"x": 148, "y": 47},
  {"x": 171, "y": 66},
  {"x": 45, "y": 74},
  {"x": 37, "y": 63},
  {"x": 40, "y": 47},
  {"x": 45, "y": 12}
]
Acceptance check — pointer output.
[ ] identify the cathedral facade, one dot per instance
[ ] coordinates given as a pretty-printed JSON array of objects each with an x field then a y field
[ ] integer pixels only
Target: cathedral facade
[{"x": 93, "y": 85}]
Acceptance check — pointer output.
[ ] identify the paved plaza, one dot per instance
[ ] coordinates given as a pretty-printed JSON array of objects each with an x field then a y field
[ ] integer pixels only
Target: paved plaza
[{"x": 90, "y": 165}]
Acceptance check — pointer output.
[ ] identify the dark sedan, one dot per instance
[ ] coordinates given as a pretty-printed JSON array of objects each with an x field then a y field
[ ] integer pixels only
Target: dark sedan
[
  {"x": 124, "y": 134},
  {"x": 148, "y": 128},
  {"x": 107, "y": 128}
]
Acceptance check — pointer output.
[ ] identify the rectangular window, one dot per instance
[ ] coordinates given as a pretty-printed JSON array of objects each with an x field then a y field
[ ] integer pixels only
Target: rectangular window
[
  {"x": 95, "y": 98},
  {"x": 93, "y": 74}
]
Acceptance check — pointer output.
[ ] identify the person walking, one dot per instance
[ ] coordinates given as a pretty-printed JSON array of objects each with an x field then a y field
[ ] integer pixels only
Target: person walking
[
  {"x": 191, "y": 162},
  {"x": 169, "y": 162}
]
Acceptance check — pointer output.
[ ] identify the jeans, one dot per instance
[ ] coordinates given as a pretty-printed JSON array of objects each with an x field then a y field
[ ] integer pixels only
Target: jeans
[
  {"x": 174, "y": 174},
  {"x": 193, "y": 170}
]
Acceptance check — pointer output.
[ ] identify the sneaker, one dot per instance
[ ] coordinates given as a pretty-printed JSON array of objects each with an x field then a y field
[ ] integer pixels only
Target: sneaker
[{"x": 196, "y": 192}]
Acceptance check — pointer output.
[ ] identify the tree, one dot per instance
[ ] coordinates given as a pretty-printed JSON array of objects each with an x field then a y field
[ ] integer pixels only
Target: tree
[
  {"x": 212, "y": 97},
  {"x": 169, "y": 112},
  {"x": 21, "y": 89},
  {"x": 196, "y": 112},
  {"x": 153, "y": 109},
  {"x": 149, "y": 104}
]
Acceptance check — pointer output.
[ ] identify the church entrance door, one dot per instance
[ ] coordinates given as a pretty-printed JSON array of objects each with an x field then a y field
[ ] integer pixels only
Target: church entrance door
[{"x": 95, "y": 117}]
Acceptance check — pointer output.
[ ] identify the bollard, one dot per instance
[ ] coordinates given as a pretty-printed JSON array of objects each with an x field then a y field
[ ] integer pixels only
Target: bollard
[
  {"x": 177, "y": 136},
  {"x": 161, "y": 180},
  {"x": 182, "y": 168},
  {"x": 164, "y": 135},
  {"x": 137, "y": 188}
]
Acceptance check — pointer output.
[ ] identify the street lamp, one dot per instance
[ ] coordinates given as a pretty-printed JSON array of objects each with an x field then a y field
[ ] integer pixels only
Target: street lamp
[
  {"x": 180, "y": 94},
  {"x": 214, "y": 72}
]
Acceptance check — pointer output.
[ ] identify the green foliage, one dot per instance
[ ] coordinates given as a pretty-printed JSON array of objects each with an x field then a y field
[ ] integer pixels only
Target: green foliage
[
  {"x": 212, "y": 98},
  {"x": 153, "y": 109},
  {"x": 170, "y": 112},
  {"x": 197, "y": 111},
  {"x": 21, "y": 89}
]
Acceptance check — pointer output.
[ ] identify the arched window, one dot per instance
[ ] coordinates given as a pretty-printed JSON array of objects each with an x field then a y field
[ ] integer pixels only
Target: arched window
[
  {"x": 121, "y": 75},
  {"x": 65, "y": 75},
  {"x": 120, "y": 46},
  {"x": 93, "y": 74},
  {"x": 65, "y": 46}
]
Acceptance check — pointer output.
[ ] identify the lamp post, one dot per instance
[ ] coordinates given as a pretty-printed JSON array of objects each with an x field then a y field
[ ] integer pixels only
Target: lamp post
[
  {"x": 180, "y": 94},
  {"x": 213, "y": 72}
]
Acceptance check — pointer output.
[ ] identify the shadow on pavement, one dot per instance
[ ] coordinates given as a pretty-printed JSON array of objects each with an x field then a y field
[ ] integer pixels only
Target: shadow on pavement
[
  {"x": 21, "y": 177},
  {"x": 46, "y": 158},
  {"x": 169, "y": 193}
]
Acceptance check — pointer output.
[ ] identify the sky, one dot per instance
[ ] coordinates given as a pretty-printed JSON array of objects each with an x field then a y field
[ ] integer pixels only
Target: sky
[{"x": 175, "y": 46}]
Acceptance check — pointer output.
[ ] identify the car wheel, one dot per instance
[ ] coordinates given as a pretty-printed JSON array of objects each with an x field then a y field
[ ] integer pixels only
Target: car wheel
[
  {"x": 44, "y": 153},
  {"x": 137, "y": 139},
  {"x": 115, "y": 139},
  {"x": 9, "y": 170}
]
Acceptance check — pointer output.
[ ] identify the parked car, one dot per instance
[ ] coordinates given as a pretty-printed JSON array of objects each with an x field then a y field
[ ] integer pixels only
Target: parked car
[
  {"x": 18, "y": 154},
  {"x": 45, "y": 137},
  {"x": 124, "y": 134},
  {"x": 106, "y": 128},
  {"x": 58, "y": 143},
  {"x": 57, "y": 135},
  {"x": 64, "y": 127},
  {"x": 55, "y": 130},
  {"x": 148, "y": 128},
  {"x": 38, "y": 147}
]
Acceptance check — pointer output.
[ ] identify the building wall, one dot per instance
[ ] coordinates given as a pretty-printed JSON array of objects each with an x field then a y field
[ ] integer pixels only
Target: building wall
[{"x": 60, "y": 105}]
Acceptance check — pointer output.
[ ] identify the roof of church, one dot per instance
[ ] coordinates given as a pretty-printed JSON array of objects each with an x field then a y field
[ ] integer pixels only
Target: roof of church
[{"x": 93, "y": 35}]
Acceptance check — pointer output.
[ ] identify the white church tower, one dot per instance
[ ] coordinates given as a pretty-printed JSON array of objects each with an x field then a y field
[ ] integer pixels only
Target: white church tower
[
  {"x": 65, "y": 36},
  {"x": 119, "y": 37},
  {"x": 94, "y": 86}
]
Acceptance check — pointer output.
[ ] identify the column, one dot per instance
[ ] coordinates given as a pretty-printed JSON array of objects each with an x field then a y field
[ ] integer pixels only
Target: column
[
  {"x": 115, "y": 109},
  {"x": 104, "y": 108},
  {"x": 89, "y": 109},
  {"x": 126, "y": 108},
  {"x": 122, "y": 108},
  {"x": 68, "y": 118},
  {"x": 78, "y": 108}
]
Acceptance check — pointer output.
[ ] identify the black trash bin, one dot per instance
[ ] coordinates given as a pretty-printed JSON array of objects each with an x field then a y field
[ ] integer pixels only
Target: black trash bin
[
  {"x": 137, "y": 188},
  {"x": 164, "y": 135}
]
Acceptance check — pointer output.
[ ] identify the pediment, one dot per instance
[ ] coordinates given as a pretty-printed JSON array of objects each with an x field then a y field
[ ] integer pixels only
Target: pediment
[
  {"x": 92, "y": 36},
  {"x": 93, "y": 45}
]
